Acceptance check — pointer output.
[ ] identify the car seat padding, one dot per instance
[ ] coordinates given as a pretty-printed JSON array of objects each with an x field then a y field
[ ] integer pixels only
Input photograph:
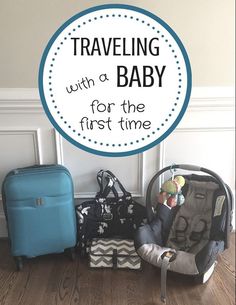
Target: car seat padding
[{"x": 197, "y": 213}]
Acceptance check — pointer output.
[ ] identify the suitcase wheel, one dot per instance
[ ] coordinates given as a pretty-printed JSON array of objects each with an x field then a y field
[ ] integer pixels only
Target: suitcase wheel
[
  {"x": 71, "y": 253},
  {"x": 19, "y": 263}
]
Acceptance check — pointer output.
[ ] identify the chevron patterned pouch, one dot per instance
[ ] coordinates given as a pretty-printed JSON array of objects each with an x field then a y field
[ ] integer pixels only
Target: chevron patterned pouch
[{"x": 113, "y": 253}]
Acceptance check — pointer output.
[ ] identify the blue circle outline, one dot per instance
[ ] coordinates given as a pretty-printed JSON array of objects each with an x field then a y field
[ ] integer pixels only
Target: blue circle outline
[
  {"x": 137, "y": 19},
  {"x": 115, "y": 6}
]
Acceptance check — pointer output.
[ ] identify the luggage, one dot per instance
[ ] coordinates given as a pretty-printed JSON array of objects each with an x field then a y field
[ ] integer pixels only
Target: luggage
[
  {"x": 113, "y": 253},
  {"x": 38, "y": 203}
]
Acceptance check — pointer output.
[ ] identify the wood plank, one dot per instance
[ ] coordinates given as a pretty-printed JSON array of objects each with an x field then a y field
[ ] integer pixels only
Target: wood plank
[{"x": 55, "y": 280}]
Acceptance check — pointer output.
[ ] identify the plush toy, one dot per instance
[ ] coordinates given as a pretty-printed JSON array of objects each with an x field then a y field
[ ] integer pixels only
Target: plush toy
[{"x": 170, "y": 193}]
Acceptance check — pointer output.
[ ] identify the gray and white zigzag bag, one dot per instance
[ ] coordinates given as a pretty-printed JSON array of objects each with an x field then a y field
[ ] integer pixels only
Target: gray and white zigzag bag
[{"x": 113, "y": 253}]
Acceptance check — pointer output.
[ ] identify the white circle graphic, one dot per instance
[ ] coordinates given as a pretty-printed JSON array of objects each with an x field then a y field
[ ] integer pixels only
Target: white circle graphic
[{"x": 115, "y": 80}]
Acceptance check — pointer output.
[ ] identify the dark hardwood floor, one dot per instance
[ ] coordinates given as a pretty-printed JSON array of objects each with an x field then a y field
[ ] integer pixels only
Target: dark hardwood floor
[{"x": 54, "y": 279}]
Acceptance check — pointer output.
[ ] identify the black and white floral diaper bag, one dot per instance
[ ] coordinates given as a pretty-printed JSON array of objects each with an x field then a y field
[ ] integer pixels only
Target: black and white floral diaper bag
[{"x": 106, "y": 217}]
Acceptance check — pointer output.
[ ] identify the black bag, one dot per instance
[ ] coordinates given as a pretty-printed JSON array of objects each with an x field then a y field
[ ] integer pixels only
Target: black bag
[{"x": 102, "y": 217}]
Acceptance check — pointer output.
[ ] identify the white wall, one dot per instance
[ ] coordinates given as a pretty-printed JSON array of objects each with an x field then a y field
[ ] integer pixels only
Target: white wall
[
  {"x": 206, "y": 28},
  {"x": 204, "y": 137}
]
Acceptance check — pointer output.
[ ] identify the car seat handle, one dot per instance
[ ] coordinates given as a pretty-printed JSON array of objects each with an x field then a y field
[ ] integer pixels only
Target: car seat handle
[{"x": 189, "y": 167}]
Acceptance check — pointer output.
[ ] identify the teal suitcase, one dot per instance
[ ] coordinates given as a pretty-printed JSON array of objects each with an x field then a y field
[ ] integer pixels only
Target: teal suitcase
[{"x": 38, "y": 203}]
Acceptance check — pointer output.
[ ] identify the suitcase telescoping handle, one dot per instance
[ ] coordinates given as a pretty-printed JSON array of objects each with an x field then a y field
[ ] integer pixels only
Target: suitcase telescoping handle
[
  {"x": 35, "y": 166},
  {"x": 190, "y": 167}
]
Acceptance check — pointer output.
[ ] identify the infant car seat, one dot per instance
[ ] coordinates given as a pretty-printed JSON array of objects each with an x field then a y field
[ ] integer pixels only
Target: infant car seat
[{"x": 187, "y": 239}]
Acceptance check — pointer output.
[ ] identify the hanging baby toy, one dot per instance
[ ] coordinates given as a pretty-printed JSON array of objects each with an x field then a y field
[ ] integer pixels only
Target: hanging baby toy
[{"x": 171, "y": 194}]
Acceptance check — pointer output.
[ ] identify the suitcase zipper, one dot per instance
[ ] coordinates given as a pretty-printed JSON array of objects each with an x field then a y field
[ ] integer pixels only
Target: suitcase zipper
[{"x": 36, "y": 170}]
